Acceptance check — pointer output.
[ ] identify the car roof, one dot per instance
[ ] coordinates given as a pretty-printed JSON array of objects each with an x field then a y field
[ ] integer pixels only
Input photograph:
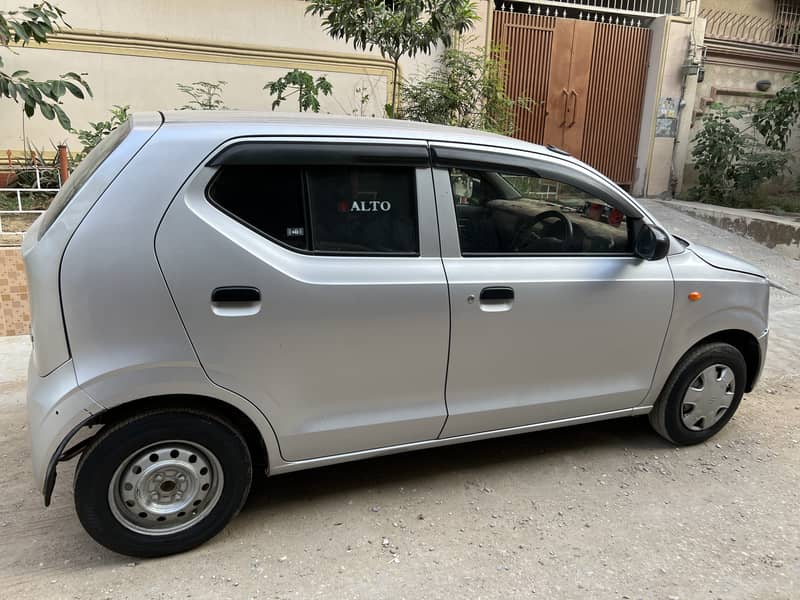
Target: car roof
[{"x": 346, "y": 126}]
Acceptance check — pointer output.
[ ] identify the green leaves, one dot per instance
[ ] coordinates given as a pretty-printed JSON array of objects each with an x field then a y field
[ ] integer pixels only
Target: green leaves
[
  {"x": 775, "y": 118},
  {"x": 205, "y": 95},
  {"x": 466, "y": 89},
  {"x": 403, "y": 28},
  {"x": 36, "y": 24},
  {"x": 89, "y": 138},
  {"x": 731, "y": 161},
  {"x": 302, "y": 84}
]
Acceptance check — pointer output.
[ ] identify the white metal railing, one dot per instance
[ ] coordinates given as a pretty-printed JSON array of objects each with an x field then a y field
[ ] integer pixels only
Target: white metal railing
[
  {"x": 646, "y": 8},
  {"x": 21, "y": 200},
  {"x": 780, "y": 33}
]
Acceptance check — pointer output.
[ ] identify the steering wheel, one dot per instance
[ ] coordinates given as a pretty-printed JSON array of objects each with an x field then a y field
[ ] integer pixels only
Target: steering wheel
[{"x": 526, "y": 238}]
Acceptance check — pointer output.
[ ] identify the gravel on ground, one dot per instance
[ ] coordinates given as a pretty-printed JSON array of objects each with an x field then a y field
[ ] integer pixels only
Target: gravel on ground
[{"x": 607, "y": 510}]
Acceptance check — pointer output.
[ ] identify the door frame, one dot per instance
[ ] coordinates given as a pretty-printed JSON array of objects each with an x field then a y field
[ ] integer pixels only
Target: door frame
[
  {"x": 565, "y": 169},
  {"x": 471, "y": 414},
  {"x": 313, "y": 269}
]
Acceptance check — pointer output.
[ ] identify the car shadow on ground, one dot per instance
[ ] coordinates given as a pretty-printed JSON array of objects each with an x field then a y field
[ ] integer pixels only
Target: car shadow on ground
[{"x": 566, "y": 446}]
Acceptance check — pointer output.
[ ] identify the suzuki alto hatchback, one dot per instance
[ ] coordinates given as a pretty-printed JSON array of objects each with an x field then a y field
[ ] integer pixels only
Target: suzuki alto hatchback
[{"x": 217, "y": 293}]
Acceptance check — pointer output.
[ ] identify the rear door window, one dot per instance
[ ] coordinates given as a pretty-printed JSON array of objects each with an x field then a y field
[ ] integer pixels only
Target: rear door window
[
  {"x": 324, "y": 209},
  {"x": 363, "y": 209}
]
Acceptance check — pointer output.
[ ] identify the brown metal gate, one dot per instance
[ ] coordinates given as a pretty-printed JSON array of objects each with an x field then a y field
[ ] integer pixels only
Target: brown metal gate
[{"x": 586, "y": 80}]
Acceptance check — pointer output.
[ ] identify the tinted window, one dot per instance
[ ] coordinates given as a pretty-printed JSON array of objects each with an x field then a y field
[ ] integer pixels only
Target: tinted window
[
  {"x": 363, "y": 209},
  {"x": 506, "y": 213},
  {"x": 330, "y": 209},
  {"x": 82, "y": 173},
  {"x": 268, "y": 199}
]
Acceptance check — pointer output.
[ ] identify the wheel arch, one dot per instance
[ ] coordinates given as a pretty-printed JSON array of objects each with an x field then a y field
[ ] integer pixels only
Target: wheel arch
[
  {"x": 256, "y": 442},
  {"x": 745, "y": 342}
]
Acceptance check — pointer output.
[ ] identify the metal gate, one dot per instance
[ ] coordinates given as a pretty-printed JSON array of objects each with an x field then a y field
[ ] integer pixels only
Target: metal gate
[{"x": 586, "y": 81}]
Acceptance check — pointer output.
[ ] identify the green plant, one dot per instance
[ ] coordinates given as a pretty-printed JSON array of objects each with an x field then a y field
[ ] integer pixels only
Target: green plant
[
  {"x": 730, "y": 159},
  {"x": 466, "y": 89},
  {"x": 303, "y": 85},
  {"x": 31, "y": 171},
  {"x": 89, "y": 138},
  {"x": 776, "y": 117},
  {"x": 37, "y": 23},
  {"x": 396, "y": 28},
  {"x": 205, "y": 95},
  {"x": 362, "y": 93}
]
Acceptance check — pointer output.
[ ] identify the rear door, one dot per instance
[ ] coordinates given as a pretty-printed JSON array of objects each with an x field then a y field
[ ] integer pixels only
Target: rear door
[
  {"x": 309, "y": 278},
  {"x": 553, "y": 317}
]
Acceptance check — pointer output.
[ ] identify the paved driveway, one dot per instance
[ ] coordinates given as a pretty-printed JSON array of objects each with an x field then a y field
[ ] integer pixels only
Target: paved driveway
[{"x": 606, "y": 510}]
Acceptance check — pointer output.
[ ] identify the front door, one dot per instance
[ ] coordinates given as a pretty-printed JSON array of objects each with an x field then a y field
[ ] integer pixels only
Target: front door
[
  {"x": 552, "y": 315},
  {"x": 310, "y": 282}
]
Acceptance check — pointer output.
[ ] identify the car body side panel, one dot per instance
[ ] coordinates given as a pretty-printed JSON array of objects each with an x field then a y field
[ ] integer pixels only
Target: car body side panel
[
  {"x": 127, "y": 339},
  {"x": 117, "y": 308},
  {"x": 731, "y": 301},
  {"x": 582, "y": 336},
  {"x": 43, "y": 256},
  {"x": 345, "y": 353}
]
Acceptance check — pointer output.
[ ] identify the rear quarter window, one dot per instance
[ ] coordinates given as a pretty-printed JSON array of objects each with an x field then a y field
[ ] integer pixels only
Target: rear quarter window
[{"x": 82, "y": 173}]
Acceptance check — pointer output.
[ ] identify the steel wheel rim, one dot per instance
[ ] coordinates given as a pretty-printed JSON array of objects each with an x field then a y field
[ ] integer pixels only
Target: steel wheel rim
[
  {"x": 165, "y": 488},
  {"x": 708, "y": 397}
]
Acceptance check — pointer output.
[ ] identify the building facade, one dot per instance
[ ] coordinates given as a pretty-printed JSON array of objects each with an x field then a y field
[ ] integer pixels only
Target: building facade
[{"x": 632, "y": 76}]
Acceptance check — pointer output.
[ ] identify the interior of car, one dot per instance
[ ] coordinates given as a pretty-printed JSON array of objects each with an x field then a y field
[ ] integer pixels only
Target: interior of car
[{"x": 503, "y": 213}]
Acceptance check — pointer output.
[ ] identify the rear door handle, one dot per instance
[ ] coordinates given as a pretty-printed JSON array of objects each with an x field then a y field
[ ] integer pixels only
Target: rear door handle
[
  {"x": 235, "y": 294},
  {"x": 497, "y": 299},
  {"x": 236, "y": 301},
  {"x": 497, "y": 293}
]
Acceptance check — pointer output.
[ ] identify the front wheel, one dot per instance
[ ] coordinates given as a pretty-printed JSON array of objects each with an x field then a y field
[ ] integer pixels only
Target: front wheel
[
  {"x": 162, "y": 482},
  {"x": 701, "y": 395}
]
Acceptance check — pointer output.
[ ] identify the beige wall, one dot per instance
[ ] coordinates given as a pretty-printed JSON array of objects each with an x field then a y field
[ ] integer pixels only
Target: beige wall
[
  {"x": 736, "y": 86},
  {"x": 757, "y": 8},
  {"x": 135, "y": 52},
  {"x": 658, "y": 157}
]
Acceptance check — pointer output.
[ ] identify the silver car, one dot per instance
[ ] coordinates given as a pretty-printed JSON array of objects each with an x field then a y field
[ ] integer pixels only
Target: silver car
[{"x": 216, "y": 295}]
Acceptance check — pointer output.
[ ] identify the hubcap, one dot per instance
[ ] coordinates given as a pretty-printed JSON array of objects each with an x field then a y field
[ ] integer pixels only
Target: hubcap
[
  {"x": 165, "y": 488},
  {"x": 708, "y": 398}
]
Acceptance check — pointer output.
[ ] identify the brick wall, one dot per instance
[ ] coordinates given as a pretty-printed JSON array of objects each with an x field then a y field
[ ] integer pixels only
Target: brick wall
[{"x": 14, "y": 313}]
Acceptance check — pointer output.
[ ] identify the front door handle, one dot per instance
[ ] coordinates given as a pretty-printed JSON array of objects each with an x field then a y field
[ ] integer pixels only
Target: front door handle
[
  {"x": 236, "y": 301},
  {"x": 497, "y": 293},
  {"x": 497, "y": 299}
]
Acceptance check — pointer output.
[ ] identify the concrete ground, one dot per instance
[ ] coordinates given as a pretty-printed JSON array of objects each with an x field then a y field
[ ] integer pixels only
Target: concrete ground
[{"x": 607, "y": 510}]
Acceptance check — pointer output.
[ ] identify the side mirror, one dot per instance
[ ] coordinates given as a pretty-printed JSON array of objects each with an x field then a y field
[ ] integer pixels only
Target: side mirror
[{"x": 651, "y": 243}]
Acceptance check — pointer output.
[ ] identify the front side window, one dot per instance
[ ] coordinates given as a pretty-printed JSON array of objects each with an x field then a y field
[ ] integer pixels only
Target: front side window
[
  {"x": 331, "y": 209},
  {"x": 504, "y": 213}
]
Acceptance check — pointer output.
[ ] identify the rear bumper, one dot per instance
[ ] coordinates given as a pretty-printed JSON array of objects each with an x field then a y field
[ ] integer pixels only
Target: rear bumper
[{"x": 57, "y": 409}]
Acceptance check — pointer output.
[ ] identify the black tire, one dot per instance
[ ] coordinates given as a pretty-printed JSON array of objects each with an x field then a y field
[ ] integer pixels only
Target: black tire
[
  {"x": 666, "y": 416},
  {"x": 115, "y": 445}
]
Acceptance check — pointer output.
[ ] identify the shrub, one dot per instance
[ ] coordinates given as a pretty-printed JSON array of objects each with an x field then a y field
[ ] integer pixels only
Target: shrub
[
  {"x": 731, "y": 157},
  {"x": 465, "y": 89}
]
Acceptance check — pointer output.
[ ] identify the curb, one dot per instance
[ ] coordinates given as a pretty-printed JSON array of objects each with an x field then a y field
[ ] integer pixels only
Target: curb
[{"x": 779, "y": 233}]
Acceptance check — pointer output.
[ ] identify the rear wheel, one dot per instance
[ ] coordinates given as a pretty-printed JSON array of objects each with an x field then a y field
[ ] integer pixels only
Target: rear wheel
[
  {"x": 162, "y": 482},
  {"x": 701, "y": 395}
]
